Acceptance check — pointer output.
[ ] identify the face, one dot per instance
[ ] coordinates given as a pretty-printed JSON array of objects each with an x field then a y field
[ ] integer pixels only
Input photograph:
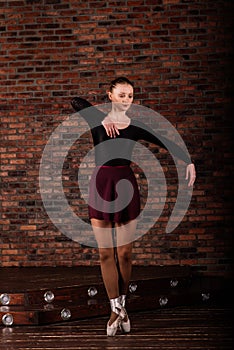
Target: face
[{"x": 122, "y": 95}]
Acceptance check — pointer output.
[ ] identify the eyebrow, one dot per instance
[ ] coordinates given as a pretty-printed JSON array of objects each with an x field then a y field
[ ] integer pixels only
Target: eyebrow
[
  {"x": 124, "y": 92},
  {"x": 130, "y": 93}
]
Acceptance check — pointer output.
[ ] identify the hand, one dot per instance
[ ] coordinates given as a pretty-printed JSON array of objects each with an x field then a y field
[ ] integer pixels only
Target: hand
[
  {"x": 110, "y": 127},
  {"x": 190, "y": 174}
]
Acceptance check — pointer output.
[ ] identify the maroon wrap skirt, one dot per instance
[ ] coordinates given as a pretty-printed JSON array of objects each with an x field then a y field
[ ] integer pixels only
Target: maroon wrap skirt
[{"x": 103, "y": 186}]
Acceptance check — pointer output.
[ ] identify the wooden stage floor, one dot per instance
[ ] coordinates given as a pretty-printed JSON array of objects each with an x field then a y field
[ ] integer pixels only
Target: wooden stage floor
[
  {"x": 169, "y": 307},
  {"x": 179, "y": 328}
]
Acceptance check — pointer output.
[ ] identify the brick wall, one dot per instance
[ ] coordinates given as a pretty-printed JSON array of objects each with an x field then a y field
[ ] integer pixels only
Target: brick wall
[{"x": 178, "y": 53}]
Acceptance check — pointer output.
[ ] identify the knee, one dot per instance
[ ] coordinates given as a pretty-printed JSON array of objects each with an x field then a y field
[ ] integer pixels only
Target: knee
[
  {"x": 124, "y": 255},
  {"x": 106, "y": 255}
]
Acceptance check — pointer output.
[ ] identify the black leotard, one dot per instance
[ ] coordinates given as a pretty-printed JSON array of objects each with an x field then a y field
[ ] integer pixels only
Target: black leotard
[{"x": 118, "y": 151}]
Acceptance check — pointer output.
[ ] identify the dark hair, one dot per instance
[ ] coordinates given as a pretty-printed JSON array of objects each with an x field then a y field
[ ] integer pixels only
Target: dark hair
[{"x": 120, "y": 80}]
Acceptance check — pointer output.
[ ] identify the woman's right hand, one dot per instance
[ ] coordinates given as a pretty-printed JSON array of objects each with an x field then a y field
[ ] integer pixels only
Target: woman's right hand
[{"x": 110, "y": 127}]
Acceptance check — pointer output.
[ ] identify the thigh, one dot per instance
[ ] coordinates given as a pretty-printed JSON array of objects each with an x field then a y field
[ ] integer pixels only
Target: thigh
[
  {"x": 125, "y": 232},
  {"x": 103, "y": 232}
]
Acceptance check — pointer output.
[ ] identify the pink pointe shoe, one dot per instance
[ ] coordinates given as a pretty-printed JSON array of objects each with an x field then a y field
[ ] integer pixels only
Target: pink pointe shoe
[
  {"x": 111, "y": 330},
  {"x": 125, "y": 324},
  {"x": 122, "y": 321}
]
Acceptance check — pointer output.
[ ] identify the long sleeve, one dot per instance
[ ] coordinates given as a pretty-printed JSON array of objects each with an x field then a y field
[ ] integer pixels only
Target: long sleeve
[
  {"x": 136, "y": 131},
  {"x": 89, "y": 112},
  {"x": 149, "y": 135}
]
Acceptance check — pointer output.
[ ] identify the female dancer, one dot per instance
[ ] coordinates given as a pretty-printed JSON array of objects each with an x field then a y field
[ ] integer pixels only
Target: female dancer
[{"x": 113, "y": 164}]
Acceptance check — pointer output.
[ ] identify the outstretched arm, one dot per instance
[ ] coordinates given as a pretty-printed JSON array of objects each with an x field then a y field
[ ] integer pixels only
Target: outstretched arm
[
  {"x": 90, "y": 113},
  {"x": 148, "y": 134},
  {"x": 93, "y": 116}
]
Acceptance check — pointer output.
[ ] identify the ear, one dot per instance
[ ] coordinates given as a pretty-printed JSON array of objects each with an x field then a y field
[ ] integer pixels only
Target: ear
[{"x": 109, "y": 95}]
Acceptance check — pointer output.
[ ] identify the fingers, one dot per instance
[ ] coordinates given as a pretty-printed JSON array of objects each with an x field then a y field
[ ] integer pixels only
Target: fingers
[
  {"x": 190, "y": 174},
  {"x": 191, "y": 181},
  {"x": 114, "y": 131},
  {"x": 111, "y": 129}
]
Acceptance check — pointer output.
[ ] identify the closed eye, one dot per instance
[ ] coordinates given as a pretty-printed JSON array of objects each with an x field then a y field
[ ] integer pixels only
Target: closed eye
[{"x": 129, "y": 96}]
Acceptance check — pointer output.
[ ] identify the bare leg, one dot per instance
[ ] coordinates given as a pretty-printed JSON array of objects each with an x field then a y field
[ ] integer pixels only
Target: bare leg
[
  {"x": 125, "y": 236},
  {"x": 103, "y": 233},
  {"x": 124, "y": 253}
]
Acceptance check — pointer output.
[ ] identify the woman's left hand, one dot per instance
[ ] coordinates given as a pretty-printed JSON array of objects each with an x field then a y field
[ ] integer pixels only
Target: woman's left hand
[{"x": 190, "y": 174}]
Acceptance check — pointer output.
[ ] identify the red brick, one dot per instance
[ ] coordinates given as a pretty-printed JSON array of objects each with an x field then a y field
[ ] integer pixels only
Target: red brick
[{"x": 178, "y": 54}]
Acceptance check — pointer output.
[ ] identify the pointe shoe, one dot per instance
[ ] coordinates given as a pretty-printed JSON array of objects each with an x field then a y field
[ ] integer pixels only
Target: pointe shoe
[
  {"x": 116, "y": 308},
  {"x": 124, "y": 325},
  {"x": 111, "y": 330}
]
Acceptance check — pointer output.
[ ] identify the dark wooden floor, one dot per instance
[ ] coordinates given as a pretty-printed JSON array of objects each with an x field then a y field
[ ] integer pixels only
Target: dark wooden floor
[
  {"x": 186, "y": 322},
  {"x": 182, "y": 328},
  {"x": 32, "y": 278}
]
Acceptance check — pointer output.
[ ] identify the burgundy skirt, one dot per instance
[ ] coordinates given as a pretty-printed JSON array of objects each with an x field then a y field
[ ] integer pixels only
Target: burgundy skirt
[{"x": 111, "y": 199}]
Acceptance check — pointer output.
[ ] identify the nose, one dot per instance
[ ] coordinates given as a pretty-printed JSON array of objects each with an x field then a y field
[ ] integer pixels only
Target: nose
[{"x": 125, "y": 100}]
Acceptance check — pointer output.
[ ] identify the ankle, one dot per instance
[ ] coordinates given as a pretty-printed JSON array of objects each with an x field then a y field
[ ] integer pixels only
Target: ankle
[
  {"x": 116, "y": 305},
  {"x": 123, "y": 299},
  {"x": 113, "y": 318}
]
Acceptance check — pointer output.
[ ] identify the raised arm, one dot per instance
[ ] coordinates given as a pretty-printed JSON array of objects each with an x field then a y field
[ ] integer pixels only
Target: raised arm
[
  {"x": 90, "y": 113},
  {"x": 93, "y": 116}
]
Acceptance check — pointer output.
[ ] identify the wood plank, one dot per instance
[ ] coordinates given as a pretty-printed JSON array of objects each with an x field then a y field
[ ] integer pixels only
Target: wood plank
[
  {"x": 153, "y": 289},
  {"x": 15, "y": 280},
  {"x": 183, "y": 328}
]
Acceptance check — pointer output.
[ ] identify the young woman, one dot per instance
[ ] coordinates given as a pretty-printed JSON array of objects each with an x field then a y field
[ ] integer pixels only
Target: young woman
[{"x": 113, "y": 164}]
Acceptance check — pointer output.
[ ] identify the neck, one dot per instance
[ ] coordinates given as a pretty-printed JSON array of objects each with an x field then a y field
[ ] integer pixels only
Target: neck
[{"x": 118, "y": 116}]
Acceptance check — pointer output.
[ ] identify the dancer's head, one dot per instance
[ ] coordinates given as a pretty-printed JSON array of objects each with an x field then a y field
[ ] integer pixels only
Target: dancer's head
[{"x": 121, "y": 91}]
